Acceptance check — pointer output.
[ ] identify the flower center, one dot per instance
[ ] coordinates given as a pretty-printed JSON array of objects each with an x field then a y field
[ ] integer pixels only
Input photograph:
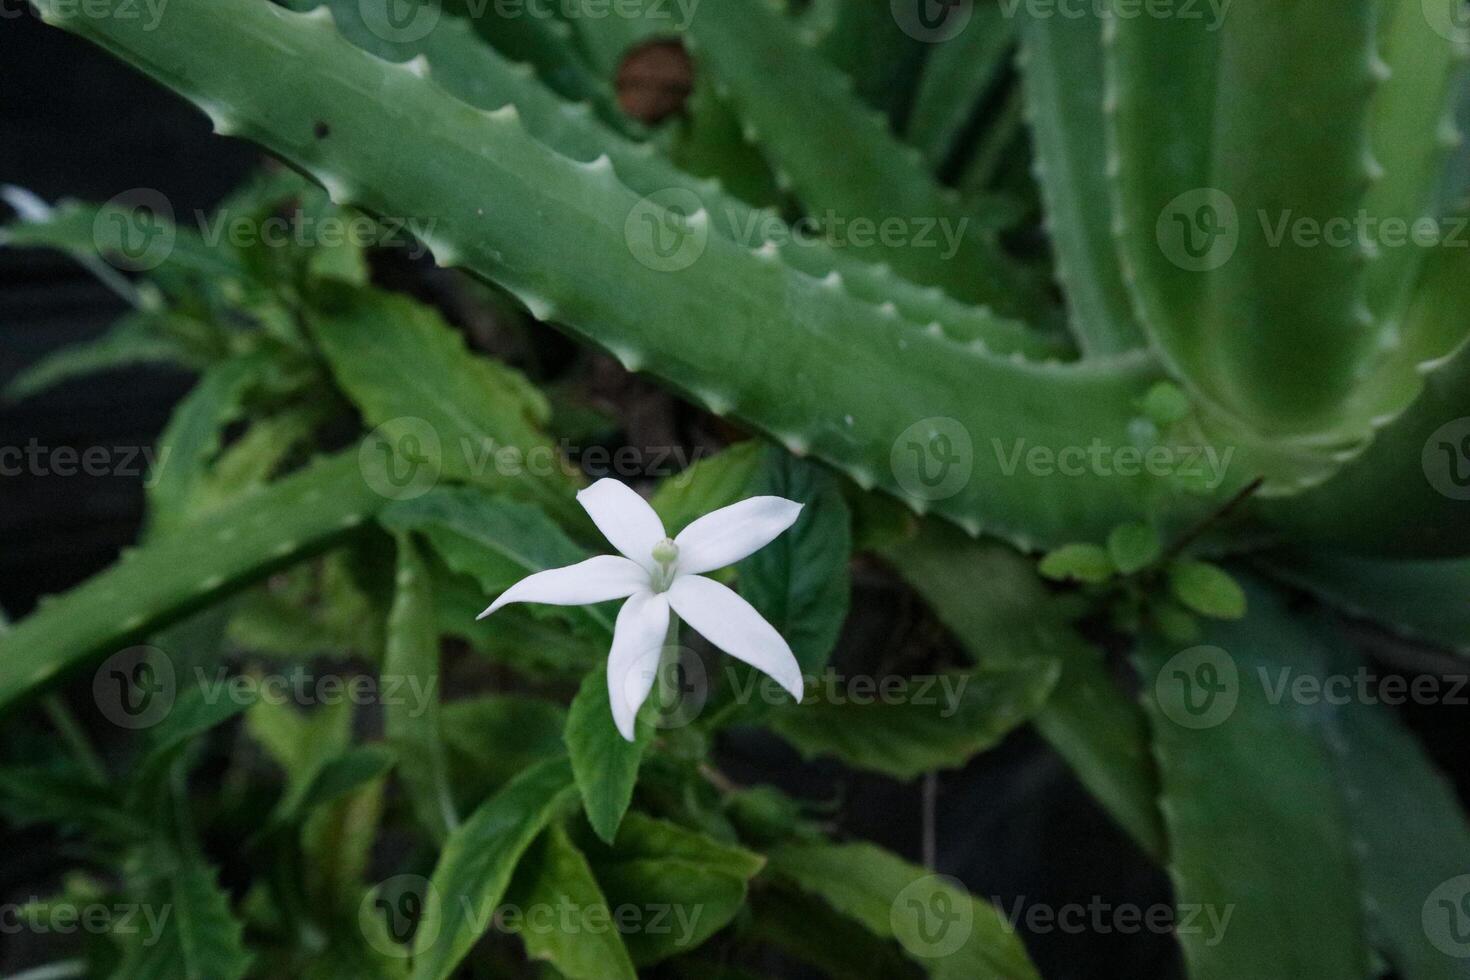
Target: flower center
[{"x": 665, "y": 554}]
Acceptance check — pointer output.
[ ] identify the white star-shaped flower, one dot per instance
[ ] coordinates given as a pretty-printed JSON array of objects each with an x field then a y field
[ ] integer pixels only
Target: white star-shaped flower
[{"x": 661, "y": 577}]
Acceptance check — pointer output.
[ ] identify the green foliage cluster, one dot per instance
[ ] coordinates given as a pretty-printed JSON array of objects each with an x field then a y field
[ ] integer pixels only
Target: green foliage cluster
[{"x": 287, "y": 528}]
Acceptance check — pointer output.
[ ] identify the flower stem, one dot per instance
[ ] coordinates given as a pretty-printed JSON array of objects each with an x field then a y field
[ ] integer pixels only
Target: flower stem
[{"x": 668, "y": 668}]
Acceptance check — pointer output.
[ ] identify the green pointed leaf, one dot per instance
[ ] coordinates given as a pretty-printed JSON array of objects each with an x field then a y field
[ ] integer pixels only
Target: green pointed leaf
[
  {"x": 711, "y": 483},
  {"x": 1133, "y": 547},
  {"x": 490, "y": 739},
  {"x": 701, "y": 881},
  {"x": 1207, "y": 589},
  {"x": 201, "y": 937},
  {"x": 928, "y": 722},
  {"x": 587, "y": 943},
  {"x": 1078, "y": 563},
  {"x": 800, "y": 581},
  {"x": 455, "y": 415},
  {"x": 605, "y": 764},
  {"x": 411, "y": 724},
  {"x": 476, "y": 864},
  {"x": 894, "y": 899}
]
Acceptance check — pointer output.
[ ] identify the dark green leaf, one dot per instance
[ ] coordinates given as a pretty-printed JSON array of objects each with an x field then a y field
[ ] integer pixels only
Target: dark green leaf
[
  {"x": 605, "y": 764},
  {"x": 477, "y": 861},
  {"x": 903, "y": 727}
]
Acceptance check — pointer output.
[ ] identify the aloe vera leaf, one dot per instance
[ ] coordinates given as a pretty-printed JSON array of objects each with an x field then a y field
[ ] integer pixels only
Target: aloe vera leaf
[
  {"x": 412, "y": 729},
  {"x": 1402, "y": 495},
  {"x": 956, "y": 77},
  {"x": 477, "y": 75},
  {"x": 163, "y": 581},
  {"x": 801, "y": 111},
  {"x": 1101, "y": 734},
  {"x": 1412, "y": 130},
  {"x": 1247, "y": 789},
  {"x": 1265, "y": 123},
  {"x": 1062, "y": 63},
  {"x": 1409, "y": 857},
  {"x": 863, "y": 40},
  {"x": 1420, "y": 600},
  {"x": 798, "y": 358}
]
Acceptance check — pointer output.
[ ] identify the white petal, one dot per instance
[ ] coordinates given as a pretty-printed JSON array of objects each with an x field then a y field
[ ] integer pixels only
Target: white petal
[
  {"x": 725, "y": 536},
  {"x": 624, "y": 518},
  {"x": 594, "y": 580},
  {"x": 637, "y": 648},
  {"x": 733, "y": 625}
]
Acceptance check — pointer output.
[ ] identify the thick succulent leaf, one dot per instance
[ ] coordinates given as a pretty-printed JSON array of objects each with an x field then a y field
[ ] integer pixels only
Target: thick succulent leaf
[
  {"x": 585, "y": 945},
  {"x": 866, "y": 43},
  {"x": 940, "y": 723},
  {"x": 895, "y": 899},
  {"x": 1410, "y": 836},
  {"x": 1422, "y": 600},
  {"x": 1247, "y": 789},
  {"x": 798, "y": 109},
  {"x": 1062, "y": 62},
  {"x": 1266, "y": 123},
  {"x": 604, "y": 763},
  {"x": 1405, "y": 494},
  {"x": 1412, "y": 130},
  {"x": 477, "y": 861},
  {"x": 411, "y": 724},
  {"x": 476, "y": 75},
  {"x": 1087, "y": 719},
  {"x": 957, "y": 75},
  {"x": 164, "y": 581},
  {"x": 795, "y": 356},
  {"x": 700, "y": 882}
]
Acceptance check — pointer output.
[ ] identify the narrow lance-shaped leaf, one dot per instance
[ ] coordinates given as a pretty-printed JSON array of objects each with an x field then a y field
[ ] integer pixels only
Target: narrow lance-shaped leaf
[
  {"x": 165, "y": 580},
  {"x": 412, "y": 723},
  {"x": 475, "y": 866}
]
